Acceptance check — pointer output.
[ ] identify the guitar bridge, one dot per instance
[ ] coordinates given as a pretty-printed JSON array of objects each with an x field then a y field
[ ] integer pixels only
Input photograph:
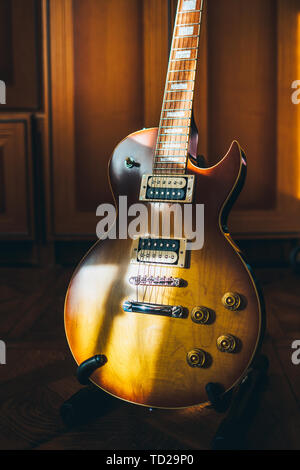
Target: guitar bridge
[
  {"x": 159, "y": 281},
  {"x": 159, "y": 188}
]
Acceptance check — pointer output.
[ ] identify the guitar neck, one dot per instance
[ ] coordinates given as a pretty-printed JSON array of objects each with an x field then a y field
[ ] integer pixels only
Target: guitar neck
[{"x": 171, "y": 151}]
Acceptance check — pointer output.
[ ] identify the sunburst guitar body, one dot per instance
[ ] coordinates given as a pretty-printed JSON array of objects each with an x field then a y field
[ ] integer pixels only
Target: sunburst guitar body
[{"x": 169, "y": 320}]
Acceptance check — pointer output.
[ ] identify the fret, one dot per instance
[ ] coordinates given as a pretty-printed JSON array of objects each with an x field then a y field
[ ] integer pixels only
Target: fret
[
  {"x": 172, "y": 155},
  {"x": 190, "y": 24},
  {"x": 161, "y": 158},
  {"x": 168, "y": 168},
  {"x": 181, "y": 60},
  {"x": 183, "y": 48},
  {"x": 177, "y": 168},
  {"x": 180, "y": 110},
  {"x": 176, "y": 118},
  {"x": 178, "y": 81},
  {"x": 183, "y": 37},
  {"x": 175, "y": 133},
  {"x": 182, "y": 126},
  {"x": 176, "y": 110},
  {"x": 164, "y": 135},
  {"x": 179, "y": 141},
  {"x": 178, "y": 155},
  {"x": 175, "y": 171},
  {"x": 189, "y": 11},
  {"x": 171, "y": 145},
  {"x": 181, "y": 148},
  {"x": 167, "y": 146},
  {"x": 170, "y": 149},
  {"x": 180, "y": 91},
  {"x": 176, "y": 101},
  {"x": 174, "y": 142},
  {"x": 171, "y": 160},
  {"x": 172, "y": 127},
  {"x": 177, "y": 71}
]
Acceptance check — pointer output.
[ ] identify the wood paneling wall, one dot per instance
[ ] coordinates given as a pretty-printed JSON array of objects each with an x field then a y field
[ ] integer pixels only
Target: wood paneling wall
[
  {"x": 20, "y": 69},
  {"x": 97, "y": 73},
  {"x": 279, "y": 140},
  {"x": 245, "y": 62},
  {"x": 16, "y": 198},
  {"x": 20, "y": 42},
  {"x": 94, "y": 97}
]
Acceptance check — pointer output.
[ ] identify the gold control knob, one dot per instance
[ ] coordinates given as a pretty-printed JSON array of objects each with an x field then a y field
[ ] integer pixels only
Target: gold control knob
[
  {"x": 196, "y": 358},
  {"x": 226, "y": 343},
  {"x": 232, "y": 301},
  {"x": 200, "y": 315}
]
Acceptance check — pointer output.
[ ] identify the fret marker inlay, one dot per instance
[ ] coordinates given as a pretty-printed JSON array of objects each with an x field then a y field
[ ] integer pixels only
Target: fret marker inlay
[
  {"x": 172, "y": 146},
  {"x": 186, "y": 30},
  {"x": 189, "y": 5},
  {"x": 183, "y": 54},
  {"x": 177, "y": 114},
  {"x": 179, "y": 86},
  {"x": 173, "y": 131}
]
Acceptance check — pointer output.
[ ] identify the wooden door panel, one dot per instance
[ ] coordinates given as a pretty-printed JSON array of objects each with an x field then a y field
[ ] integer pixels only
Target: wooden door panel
[
  {"x": 249, "y": 56},
  {"x": 20, "y": 39},
  {"x": 15, "y": 181},
  {"x": 97, "y": 99}
]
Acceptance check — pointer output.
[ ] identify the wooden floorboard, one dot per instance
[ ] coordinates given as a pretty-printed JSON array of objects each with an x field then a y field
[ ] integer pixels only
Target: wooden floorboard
[{"x": 40, "y": 375}]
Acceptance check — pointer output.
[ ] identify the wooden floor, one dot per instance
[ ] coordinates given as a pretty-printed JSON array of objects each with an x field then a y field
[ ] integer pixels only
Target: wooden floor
[{"x": 40, "y": 375}]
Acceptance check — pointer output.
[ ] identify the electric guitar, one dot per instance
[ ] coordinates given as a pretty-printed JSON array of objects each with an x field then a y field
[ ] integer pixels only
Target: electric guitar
[{"x": 165, "y": 318}]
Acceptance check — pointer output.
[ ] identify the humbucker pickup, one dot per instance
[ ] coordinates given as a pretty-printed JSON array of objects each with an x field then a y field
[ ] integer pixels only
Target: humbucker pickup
[
  {"x": 162, "y": 251},
  {"x": 159, "y": 188}
]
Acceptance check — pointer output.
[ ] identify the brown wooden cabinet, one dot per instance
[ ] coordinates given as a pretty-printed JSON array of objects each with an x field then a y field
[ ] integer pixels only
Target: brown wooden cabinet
[
  {"x": 16, "y": 203},
  {"x": 247, "y": 64},
  {"x": 91, "y": 71}
]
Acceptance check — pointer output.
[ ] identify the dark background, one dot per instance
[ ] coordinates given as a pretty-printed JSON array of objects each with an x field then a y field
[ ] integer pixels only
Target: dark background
[{"x": 80, "y": 76}]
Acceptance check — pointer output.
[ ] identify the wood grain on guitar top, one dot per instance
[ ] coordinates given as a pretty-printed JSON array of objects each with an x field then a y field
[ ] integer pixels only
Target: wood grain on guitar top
[{"x": 147, "y": 353}]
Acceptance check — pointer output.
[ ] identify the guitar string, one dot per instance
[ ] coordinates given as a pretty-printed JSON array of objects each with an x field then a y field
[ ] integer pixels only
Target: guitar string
[
  {"x": 173, "y": 167},
  {"x": 187, "y": 138}
]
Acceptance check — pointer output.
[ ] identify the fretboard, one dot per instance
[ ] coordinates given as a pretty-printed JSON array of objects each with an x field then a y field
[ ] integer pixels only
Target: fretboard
[{"x": 171, "y": 151}]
